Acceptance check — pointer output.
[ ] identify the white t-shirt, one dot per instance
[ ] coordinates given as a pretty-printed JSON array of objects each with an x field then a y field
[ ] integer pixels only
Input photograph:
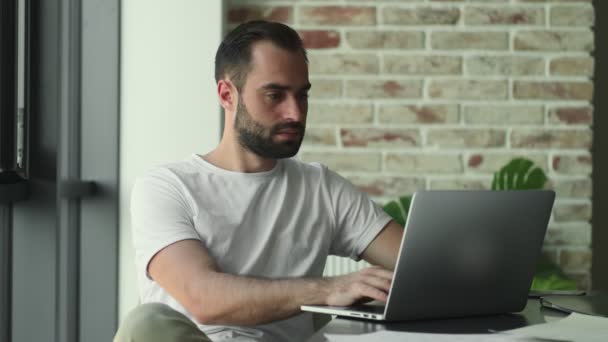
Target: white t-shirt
[{"x": 274, "y": 224}]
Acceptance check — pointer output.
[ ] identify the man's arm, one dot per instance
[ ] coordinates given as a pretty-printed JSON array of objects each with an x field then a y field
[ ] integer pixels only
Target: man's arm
[
  {"x": 187, "y": 272},
  {"x": 384, "y": 249}
]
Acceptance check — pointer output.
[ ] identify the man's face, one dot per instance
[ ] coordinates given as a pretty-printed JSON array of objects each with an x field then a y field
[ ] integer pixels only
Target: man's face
[{"x": 272, "y": 106}]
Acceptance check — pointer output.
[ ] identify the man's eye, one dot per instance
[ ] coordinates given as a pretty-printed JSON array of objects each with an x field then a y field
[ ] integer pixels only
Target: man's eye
[{"x": 274, "y": 96}]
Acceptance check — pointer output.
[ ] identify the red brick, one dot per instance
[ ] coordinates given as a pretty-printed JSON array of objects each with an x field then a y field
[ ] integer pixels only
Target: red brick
[
  {"x": 539, "y": 90},
  {"x": 340, "y": 113},
  {"x": 572, "y": 16},
  {"x": 425, "y": 114},
  {"x": 375, "y": 88},
  {"x": 504, "y": 15},
  {"x": 458, "y": 138},
  {"x": 246, "y": 13},
  {"x": 578, "y": 164},
  {"x": 459, "y": 184},
  {"x": 571, "y": 188},
  {"x": 570, "y": 234},
  {"x": 345, "y": 161},
  {"x": 343, "y": 63},
  {"x": 571, "y": 115},
  {"x": 365, "y": 39},
  {"x": 326, "y": 88},
  {"x": 320, "y": 136},
  {"x": 384, "y": 186},
  {"x": 501, "y": 115},
  {"x": 421, "y": 16},
  {"x": 475, "y": 160},
  {"x": 338, "y": 15},
  {"x": 374, "y": 137},
  {"x": 320, "y": 39},
  {"x": 422, "y": 65},
  {"x": 490, "y": 162},
  {"x": 541, "y": 138},
  {"x": 554, "y": 40},
  {"x": 463, "y": 89},
  {"x": 573, "y": 66},
  {"x": 455, "y": 40},
  {"x": 424, "y": 163}
]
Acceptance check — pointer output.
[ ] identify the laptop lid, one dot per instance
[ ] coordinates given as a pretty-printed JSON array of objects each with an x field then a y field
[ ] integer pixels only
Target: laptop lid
[
  {"x": 468, "y": 253},
  {"x": 463, "y": 253}
]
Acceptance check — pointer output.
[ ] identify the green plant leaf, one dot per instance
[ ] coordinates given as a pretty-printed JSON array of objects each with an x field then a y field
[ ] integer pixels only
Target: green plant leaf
[
  {"x": 405, "y": 202},
  {"x": 552, "y": 282},
  {"x": 394, "y": 210},
  {"x": 536, "y": 180},
  {"x": 519, "y": 174}
]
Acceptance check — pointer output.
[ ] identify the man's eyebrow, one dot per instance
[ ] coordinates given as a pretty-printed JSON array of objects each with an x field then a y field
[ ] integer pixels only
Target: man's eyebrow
[{"x": 277, "y": 86}]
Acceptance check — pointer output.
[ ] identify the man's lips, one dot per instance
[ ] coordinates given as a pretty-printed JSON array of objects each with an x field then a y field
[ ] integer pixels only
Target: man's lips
[
  {"x": 289, "y": 134},
  {"x": 291, "y": 131}
]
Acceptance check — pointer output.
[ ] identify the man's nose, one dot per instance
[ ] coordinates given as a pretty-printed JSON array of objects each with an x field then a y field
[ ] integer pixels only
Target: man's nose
[{"x": 294, "y": 110}]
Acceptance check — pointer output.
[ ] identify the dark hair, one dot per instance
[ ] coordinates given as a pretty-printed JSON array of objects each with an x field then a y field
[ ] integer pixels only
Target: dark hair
[{"x": 233, "y": 57}]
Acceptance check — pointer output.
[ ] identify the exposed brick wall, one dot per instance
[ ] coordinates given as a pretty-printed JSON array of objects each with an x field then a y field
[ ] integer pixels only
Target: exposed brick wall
[{"x": 431, "y": 94}]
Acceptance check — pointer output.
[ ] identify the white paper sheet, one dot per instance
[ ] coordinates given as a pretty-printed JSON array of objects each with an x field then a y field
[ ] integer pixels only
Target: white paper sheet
[
  {"x": 390, "y": 336},
  {"x": 575, "y": 327}
]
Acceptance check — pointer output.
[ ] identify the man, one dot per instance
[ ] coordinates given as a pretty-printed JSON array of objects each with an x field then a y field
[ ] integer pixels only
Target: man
[{"x": 235, "y": 241}]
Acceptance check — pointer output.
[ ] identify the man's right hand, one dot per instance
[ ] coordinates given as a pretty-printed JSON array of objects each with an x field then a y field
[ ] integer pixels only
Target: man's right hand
[
  {"x": 189, "y": 274},
  {"x": 371, "y": 283}
]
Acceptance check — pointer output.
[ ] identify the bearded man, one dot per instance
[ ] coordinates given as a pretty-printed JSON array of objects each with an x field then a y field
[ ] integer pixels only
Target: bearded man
[{"x": 229, "y": 244}]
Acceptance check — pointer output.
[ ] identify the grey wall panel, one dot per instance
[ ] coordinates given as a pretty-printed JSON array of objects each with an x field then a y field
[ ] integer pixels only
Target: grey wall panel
[
  {"x": 65, "y": 250},
  {"x": 35, "y": 220},
  {"x": 6, "y": 266},
  {"x": 99, "y": 155},
  {"x": 34, "y": 267}
]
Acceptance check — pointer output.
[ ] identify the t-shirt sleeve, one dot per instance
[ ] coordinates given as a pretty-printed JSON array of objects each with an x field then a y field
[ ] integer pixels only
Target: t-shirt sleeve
[
  {"x": 160, "y": 215},
  {"x": 358, "y": 218}
]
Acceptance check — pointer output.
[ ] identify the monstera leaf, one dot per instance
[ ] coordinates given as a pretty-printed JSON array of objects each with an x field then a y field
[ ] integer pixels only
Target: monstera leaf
[
  {"x": 519, "y": 174},
  {"x": 398, "y": 209},
  {"x": 548, "y": 276}
]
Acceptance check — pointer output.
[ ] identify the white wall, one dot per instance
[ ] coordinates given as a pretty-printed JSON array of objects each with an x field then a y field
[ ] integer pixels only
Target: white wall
[{"x": 168, "y": 104}]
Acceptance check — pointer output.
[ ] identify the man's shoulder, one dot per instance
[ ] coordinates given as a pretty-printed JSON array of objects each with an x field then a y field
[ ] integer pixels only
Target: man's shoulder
[
  {"x": 303, "y": 166},
  {"x": 182, "y": 169},
  {"x": 313, "y": 171}
]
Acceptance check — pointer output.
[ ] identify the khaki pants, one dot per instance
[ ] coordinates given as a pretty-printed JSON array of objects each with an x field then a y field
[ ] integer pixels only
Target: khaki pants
[{"x": 156, "y": 322}]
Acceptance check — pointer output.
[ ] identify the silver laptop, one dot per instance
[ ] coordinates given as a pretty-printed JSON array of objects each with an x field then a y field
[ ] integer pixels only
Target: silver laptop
[{"x": 463, "y": 253}]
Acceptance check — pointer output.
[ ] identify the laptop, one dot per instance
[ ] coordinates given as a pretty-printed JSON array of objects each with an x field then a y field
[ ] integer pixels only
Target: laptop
[{"x": 463, "y": 253}]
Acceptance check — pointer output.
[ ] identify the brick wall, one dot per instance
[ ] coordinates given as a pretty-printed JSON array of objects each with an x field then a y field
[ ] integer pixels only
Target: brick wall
[{"x": 423, "y": 94}]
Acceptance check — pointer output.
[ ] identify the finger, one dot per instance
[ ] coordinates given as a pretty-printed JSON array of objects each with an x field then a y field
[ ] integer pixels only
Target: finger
[
  {"x": 377, "y": 282},
  {"x": 364, "y": 290},
  {"x": 379, "y": 272}
]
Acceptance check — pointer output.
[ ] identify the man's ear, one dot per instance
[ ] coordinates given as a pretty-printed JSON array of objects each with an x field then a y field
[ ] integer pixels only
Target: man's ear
[{"x": 227, "y": 94}]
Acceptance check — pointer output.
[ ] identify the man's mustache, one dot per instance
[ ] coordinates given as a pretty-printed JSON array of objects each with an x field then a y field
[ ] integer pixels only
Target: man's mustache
[{"x": 297, "y": 126}]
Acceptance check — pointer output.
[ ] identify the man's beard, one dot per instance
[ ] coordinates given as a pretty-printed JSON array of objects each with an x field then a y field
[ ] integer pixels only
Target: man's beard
[{"x": 258, "y": 139}]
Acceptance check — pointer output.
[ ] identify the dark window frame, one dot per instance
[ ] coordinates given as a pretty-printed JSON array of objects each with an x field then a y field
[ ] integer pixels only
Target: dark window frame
[
  {"x": 600, "y": 149},
  {"x": 63, "y": 239}
]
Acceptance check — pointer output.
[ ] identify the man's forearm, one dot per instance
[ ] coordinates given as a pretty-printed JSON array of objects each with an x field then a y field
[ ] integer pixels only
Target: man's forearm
[
  {"x": 187, "y": 272},
  {"x": 237, "y": 300}
]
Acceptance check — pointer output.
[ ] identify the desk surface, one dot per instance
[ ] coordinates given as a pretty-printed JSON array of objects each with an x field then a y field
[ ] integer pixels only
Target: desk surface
[{"x": 533, "y": 313}]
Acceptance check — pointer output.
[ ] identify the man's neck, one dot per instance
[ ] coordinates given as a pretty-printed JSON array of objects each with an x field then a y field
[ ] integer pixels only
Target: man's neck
[{"x": 232, "y": 156}]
